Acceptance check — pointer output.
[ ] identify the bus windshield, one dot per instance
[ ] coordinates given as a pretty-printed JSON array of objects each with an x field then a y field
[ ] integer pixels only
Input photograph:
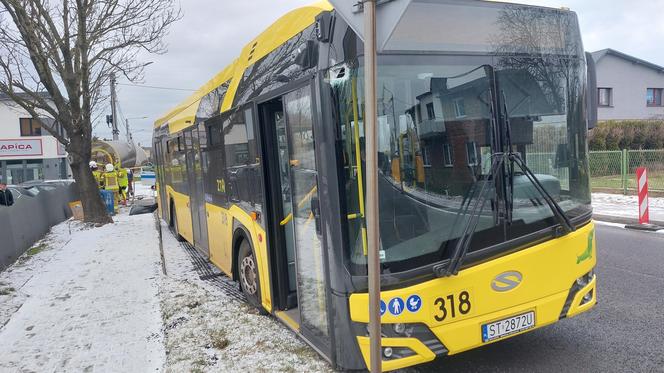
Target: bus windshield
[{"x": 440, "y": 120}]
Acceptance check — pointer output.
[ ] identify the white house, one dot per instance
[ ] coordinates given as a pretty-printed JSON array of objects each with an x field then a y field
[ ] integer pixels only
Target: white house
[
  {"x": 628, "y": 87},
  {"x": 27, "y": 151}
]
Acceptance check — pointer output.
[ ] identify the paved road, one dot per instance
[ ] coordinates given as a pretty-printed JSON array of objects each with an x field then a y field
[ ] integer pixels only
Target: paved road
[{"x": 623, "y": 333}]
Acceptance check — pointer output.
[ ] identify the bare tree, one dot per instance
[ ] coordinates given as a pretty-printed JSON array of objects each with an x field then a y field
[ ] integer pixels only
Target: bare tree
[{"x": 69, "y": 49}]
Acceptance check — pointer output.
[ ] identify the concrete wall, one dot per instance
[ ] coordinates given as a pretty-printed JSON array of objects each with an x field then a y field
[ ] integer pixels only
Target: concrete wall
[
  {"x": 629, "y": 82},
  {"x": 30, "y": 218}
]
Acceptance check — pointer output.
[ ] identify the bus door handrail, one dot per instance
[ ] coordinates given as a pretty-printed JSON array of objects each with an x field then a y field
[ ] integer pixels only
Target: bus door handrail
[{"x": 358, "y": 164}]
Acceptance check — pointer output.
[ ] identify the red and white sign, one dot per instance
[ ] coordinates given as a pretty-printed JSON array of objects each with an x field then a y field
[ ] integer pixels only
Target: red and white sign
[
  {"x": 20, "y": 147},
  {"x": 642, "y": 182}
]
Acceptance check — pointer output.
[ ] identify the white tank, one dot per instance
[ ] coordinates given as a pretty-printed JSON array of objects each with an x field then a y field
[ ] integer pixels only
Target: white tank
[{"x": 128, "y": 154}]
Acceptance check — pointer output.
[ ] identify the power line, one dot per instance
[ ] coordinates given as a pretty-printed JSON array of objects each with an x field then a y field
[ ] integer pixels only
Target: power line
[{"x": 154, "y": 87}]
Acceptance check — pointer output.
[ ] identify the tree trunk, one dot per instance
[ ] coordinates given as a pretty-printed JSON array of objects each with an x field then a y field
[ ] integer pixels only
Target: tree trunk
[{"x": 94, "y": 209}]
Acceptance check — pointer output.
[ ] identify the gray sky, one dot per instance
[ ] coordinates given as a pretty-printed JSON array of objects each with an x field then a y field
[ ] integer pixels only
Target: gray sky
[{"x": 212, "y": 33}]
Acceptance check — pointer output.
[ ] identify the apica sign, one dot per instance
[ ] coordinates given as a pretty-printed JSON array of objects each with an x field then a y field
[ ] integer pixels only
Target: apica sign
[{"x": 22, "y": 147}]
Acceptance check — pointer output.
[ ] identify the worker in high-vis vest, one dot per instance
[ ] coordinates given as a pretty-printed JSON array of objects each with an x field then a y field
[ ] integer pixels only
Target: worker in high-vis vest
[
  {"x": 96, "y": 174},
  {"x": 123, "y": 182},
  {"x": 111, "y": 183}
]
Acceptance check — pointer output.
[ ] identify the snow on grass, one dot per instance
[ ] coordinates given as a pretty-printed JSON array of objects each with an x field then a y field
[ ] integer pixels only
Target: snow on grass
[
  {"x": 208, "y": 331},
  {"x": 626, "y": 206}
]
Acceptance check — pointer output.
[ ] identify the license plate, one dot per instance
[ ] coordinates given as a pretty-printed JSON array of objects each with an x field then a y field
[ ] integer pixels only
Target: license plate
[{"x": 508, "y": 326}]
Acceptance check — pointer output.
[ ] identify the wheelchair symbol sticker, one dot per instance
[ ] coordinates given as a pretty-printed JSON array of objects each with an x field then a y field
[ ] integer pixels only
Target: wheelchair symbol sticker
[
  {"x": 383, "y": 307},
  {"x": 414, "y": 303}
]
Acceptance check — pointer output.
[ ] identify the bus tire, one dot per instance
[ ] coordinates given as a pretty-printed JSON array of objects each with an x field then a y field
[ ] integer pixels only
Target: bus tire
[
  {"x": 174, "y": 223},
  {"x": 248, "y": 275}
]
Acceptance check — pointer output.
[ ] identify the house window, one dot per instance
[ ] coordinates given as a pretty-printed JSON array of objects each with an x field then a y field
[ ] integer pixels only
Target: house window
[
  {"x": 654, "y": 97},
  {"x": 605, "y": 96},
  {"x": 30, "y": 127},
  {"x": 431, "y": 113},
  {"x": 447, "y": 155},
  {"x": 471, "y": 152},
  {"x": 459, "y": 108},
  {"x": 425, "y": 157}
]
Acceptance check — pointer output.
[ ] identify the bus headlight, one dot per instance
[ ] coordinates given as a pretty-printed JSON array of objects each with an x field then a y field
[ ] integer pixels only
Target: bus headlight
[
  {"x": 585, "y": 279},
  {"x": 399, "y": 328},
  {"x": 387, "y": 352}
]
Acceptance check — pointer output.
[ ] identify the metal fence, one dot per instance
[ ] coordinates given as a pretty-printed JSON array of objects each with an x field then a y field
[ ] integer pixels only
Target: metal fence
[
  {"x": 22, "y": 224},
  {"x": 615, "y": 171}
]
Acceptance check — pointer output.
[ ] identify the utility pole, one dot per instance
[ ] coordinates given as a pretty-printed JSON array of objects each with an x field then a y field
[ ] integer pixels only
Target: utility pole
[
  {"x": 371, "y": 136},
  {"x": 128, "y": 132},
  {"x": 114, "y": 123}
]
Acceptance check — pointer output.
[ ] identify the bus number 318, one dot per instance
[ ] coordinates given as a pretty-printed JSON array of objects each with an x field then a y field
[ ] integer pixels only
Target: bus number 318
[{"x": 449, "y": 306}]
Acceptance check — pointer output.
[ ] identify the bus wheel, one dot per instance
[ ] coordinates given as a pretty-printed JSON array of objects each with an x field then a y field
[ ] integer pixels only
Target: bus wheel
[{"x": 248, "y": 274}]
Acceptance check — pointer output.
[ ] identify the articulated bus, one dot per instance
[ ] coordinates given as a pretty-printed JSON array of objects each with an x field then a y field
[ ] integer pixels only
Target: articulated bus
[{"x": 484, "y": 197}]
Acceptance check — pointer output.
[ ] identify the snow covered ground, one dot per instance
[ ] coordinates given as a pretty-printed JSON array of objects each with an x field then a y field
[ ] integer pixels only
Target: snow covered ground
[
  {"x": 87, "y": 302},
  {"x": 95, "y": 299},
  {"x": 207, "y": 330},
  {"x": 618, "y": 205}
]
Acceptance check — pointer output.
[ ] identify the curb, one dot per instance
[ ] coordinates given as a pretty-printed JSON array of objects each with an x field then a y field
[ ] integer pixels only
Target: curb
[{"x": 623, "y": 220}]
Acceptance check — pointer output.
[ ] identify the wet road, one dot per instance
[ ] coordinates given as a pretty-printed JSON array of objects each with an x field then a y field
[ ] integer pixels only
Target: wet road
[{"x": 623, "y": 333}]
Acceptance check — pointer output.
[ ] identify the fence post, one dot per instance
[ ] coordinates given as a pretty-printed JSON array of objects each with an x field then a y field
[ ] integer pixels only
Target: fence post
[{"x": 624, "y": 165}]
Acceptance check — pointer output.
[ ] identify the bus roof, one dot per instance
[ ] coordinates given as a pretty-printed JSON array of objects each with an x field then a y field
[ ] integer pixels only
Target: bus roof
[{"x": 289, "y": 25}]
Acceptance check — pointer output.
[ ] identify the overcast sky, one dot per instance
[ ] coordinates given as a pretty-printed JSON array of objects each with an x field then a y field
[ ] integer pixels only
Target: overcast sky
[{"x": 212, "y": 33}]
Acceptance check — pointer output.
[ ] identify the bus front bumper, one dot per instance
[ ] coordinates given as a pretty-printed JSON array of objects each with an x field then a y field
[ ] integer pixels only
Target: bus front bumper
[{"x": 555, "y": 280}]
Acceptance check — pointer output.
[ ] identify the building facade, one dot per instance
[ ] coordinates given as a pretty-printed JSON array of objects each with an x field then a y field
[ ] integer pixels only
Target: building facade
[
  {"x": 27, "y": 151},
  {"x": 628, "y": 87}
]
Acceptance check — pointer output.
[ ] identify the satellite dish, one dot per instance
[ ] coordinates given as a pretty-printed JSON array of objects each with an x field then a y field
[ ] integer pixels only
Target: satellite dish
[{"x": 388, "y": 14}]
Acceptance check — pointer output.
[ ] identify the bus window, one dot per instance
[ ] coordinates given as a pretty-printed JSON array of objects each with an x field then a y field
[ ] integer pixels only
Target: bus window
[
  {"x": 215, "y": 178},
  {"x": 243, "y": 178}
]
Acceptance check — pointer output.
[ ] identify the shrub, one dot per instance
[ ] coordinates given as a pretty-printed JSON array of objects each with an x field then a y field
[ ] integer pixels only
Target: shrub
[{"x": 627, "y": 134}]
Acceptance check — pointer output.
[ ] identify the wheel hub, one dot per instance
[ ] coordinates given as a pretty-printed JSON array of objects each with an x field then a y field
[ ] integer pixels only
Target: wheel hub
[{"x": 248, "y": 275}]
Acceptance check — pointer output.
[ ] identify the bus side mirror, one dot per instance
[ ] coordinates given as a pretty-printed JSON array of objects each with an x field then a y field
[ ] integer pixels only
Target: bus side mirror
[
  {"x": 592, "y": 91},
  {"x": 306, "y": 55}
]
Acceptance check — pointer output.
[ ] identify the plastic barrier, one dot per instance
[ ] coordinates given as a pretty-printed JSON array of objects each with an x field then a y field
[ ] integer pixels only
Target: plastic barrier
[{"x": 109, "y": 201}]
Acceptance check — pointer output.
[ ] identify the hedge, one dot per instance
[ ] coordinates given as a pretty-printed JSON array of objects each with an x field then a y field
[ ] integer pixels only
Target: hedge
[{"x": 627, "y": 134}]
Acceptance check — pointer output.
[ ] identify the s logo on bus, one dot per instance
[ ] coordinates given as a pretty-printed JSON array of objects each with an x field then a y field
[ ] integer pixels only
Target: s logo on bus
[{"x": 506, "y": 281}]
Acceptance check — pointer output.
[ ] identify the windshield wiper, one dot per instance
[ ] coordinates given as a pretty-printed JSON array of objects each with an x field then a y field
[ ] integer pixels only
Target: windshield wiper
[
  {"x": 515, "y": 157},
  {"x": 498, "y": 161},
  {"x": 463, "y": 243},
  {"x": 558, "y": 211}
]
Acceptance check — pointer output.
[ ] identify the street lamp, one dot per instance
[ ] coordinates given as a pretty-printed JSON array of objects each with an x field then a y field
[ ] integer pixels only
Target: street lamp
[{"x": 129, "y": 138}]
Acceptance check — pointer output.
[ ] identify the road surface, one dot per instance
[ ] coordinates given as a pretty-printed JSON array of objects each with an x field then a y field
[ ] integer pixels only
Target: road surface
[{"x": 623, "y": 333}]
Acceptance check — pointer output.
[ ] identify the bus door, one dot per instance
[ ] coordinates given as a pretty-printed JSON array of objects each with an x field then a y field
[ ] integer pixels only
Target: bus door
[
  {"x": 196, "y": 188},
  {"x": 159, "y": 147},
  {"x": 298, "y": 214}
]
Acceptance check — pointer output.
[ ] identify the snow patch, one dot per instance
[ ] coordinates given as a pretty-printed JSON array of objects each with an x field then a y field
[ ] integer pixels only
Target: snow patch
[
  {"x": 85, "y": 301},
  {"x": 626, "y": 206},
  {"x": 210, "y": 331}
]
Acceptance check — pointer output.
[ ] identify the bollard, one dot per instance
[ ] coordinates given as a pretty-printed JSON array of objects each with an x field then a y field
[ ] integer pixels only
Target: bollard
[{"x": 642, "y": 188}]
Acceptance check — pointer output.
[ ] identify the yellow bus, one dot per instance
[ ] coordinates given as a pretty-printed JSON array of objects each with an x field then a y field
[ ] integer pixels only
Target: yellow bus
[{"x": 484, "y": 197}]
